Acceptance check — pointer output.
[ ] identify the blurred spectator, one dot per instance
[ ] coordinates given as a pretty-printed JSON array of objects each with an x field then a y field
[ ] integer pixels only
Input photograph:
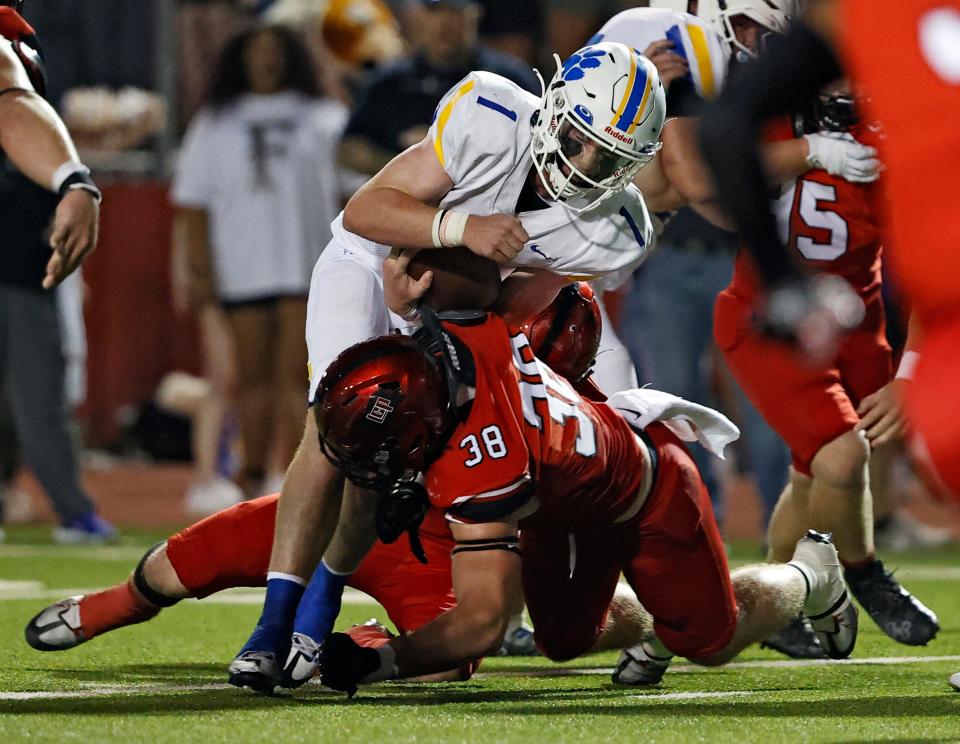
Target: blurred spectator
[
  {"x": 513, "y": 27},
  {"x": 570, "y": 23},
  {"x": 396, "y": 107},
  {"x": 203, "y": 28},
  {"x": 96, "y": 42},
  {"x": 349, "y": 37},
  {"x": 670, "y": 308},
  {"x": 256, "y": 189}
]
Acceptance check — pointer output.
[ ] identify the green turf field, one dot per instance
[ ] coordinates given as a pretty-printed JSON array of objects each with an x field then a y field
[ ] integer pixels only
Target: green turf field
[{"x": 165, "y": 681}]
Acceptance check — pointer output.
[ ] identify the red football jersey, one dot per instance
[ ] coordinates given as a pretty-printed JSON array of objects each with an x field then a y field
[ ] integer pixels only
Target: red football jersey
[
  {"x": 830, "y": 224},
  {"x": 529, "y": 434}
]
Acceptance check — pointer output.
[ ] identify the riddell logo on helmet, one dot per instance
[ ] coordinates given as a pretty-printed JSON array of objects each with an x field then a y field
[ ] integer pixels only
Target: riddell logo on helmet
[
  {"x": 617, "y": 135},
  {"x": 380, "y": 408}
]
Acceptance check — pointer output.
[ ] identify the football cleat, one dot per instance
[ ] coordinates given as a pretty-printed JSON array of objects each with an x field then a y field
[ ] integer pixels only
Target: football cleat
[
  {"x": 899, "y": 614},
  {"x": 638, "y": 666},
  {"x": 828, "y": 607},
  {"x": 955, "y": 681},
  {"x": 519, "y": 642},
  {"x": 87, "y": 529},
  {"x": 256, "y": 670},
  {"x": 303, "y": 661},
  {"x": 796, "y": 640},
  {"x": 57, "y": 627}
]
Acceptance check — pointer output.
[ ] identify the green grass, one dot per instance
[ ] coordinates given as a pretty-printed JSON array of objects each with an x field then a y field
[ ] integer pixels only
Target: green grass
[{"x": 141, "y": 684}]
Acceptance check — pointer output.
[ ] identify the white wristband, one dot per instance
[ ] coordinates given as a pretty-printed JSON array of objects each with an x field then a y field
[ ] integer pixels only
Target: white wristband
[
  {"x": 452, "y": 227},
  {"x": 908, "y": 365},
  {"x": 435, "y": 229},
  {"x": 64, "y": 172}
]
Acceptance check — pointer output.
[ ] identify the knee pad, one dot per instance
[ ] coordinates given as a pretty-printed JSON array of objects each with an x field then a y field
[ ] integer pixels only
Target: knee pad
[{"x": 140, "y": 581}]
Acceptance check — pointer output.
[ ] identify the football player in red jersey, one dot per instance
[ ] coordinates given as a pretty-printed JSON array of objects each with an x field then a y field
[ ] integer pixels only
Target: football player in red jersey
[
  {"x": 504, "y": 443},
  {"x": 232, "y": 547},
  {"x": 829, "y": 415},
  {"x": 903, "y": 59}
]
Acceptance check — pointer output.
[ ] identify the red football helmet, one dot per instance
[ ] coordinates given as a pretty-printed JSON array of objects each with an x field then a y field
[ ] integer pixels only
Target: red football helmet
[
  {"x": 566, "y": 335},
  {"x": 382, "y": 410}
]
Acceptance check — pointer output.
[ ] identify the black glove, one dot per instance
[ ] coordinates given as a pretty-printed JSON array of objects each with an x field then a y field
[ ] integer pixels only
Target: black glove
[
  {"x": 344, "y": 664},
  {"x": 403, "y": 509}
]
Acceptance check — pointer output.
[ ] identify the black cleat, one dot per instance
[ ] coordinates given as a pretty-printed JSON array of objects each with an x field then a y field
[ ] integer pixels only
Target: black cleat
[
  {"x": 895, "y": 610},
  {"x": 796, "y": 640}
]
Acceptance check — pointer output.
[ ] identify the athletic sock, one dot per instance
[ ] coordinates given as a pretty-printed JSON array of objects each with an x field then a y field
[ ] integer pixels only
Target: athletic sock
[
  {"x": 114, "y": 608},
  {"x": 272, "y": 634}
]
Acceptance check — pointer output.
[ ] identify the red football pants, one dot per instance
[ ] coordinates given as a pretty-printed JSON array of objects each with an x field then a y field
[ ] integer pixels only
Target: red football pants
[
  {"x": 671, "y": 553},
  {"x": 232, "y": 548}
]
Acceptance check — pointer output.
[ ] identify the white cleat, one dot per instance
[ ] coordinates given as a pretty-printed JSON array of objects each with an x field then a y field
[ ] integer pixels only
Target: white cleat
[
  {"x": 955, "y": 681},
  {"x": 303, "y": 661},
  {"x": 828, "y": 607},
  {"x": 639, "y": 666},
  {"x": 257, "y": 670},
  {"x": 57, "y": 627}
]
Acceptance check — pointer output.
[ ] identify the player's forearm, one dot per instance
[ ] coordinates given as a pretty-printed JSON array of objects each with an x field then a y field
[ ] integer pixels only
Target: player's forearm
[
  {"x": 33, "y": 136},
  {"x": 391, "y": 217},
  {"x": 784, "y": 161},
  {"x": 525, "y": 293},
  {"x": 308, "y": 509},
  {"x": 454, "y": 639}
]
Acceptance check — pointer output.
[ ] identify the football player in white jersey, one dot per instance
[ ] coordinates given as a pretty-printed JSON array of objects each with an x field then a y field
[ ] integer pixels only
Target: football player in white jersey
[{"x": 543, "y": 185}]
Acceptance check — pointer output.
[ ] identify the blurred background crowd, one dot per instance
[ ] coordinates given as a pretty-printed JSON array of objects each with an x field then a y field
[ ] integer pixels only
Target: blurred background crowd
[{"x": 227, "y": 135}]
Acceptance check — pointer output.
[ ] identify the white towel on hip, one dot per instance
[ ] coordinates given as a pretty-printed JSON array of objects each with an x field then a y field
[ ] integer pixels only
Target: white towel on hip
[{"x": 689, "y": 421}]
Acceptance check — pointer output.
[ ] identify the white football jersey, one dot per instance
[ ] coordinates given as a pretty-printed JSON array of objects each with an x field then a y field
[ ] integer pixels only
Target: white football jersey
[
  {"x": 692, "y": 38},
  {"x": 481, "y": 133}
]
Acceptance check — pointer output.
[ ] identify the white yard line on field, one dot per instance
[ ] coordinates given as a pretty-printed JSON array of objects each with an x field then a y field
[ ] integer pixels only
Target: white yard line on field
[
  {"x": 73, "y": 552},
  {"x": 36, "y": 590},
  {"x": 108, "y": 690}
]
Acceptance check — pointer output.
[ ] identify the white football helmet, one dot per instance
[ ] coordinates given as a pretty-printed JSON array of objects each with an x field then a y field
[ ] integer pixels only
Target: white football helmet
[
  {"x": 606, "y": 94},
  {"x": 775, "y": 15}
]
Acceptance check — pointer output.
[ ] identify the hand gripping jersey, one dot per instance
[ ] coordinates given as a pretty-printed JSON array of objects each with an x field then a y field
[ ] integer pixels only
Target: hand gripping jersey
[
  {"x": 529, "y": 434},
  {"x": 481, "y": 134},
  {"x": 693, "y": 39},
  {"x": 830, "y": 223}
]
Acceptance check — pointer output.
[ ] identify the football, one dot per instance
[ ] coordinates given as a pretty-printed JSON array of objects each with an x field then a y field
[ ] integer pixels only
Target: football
[{"x": 462, "y": 280}]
